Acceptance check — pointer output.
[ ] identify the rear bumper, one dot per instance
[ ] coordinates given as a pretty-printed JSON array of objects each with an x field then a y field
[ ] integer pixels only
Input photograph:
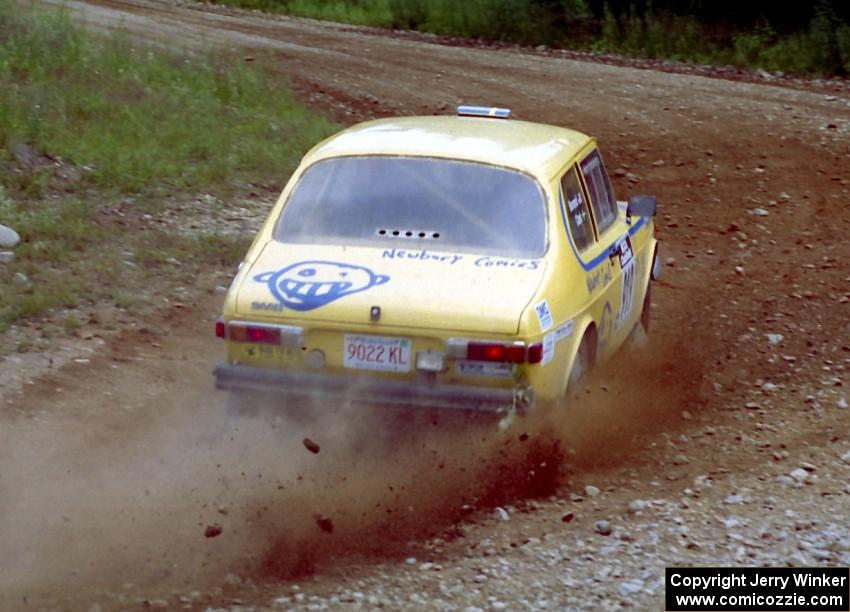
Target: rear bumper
[{"x": 369, "y": 390}]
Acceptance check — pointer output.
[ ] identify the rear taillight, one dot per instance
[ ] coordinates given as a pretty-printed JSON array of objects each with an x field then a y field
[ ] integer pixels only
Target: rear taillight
[
  {"x": 260, "y": 333},
  {"x": 253, "y": 333},
  {"x": 501, "y": 352},
  {"x": 535, "y": 353},
  {"x": 495, "y": 351}
]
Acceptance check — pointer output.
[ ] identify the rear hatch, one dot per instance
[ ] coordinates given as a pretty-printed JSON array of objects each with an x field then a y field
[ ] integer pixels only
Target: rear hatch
[{"x": 411, "y": 288}]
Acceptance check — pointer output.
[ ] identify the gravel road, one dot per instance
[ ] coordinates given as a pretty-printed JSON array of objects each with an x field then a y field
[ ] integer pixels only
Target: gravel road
[{"x": 725, "y": 441}]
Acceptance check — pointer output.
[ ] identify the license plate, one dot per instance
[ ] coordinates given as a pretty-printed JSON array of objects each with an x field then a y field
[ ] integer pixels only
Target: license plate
[{"x": 380, "y": 353}]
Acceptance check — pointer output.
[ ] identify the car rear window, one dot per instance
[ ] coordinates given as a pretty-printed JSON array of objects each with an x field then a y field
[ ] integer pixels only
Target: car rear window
[
  {"x": 424, "y": 202},
  {"x": 577, "y": 212}
]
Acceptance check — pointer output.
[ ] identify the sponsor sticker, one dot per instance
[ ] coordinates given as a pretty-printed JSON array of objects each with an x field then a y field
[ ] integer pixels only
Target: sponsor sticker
[
  {"x": 624, "y": 248},
  {"x": 544, "y": 315},
  {"x": 548, "y": 348},
  {"x": 564, "y": 331},
  {"x": 264, "y": 352},
  {"x": 483, "y": 368}
]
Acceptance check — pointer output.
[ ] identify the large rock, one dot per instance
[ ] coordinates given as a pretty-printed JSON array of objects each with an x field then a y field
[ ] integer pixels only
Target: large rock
[{"x": 8, "y": 237}]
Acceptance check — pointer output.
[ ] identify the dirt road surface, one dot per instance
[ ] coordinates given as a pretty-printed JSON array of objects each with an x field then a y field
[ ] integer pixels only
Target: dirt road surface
[{"x": 725, "y": 441}]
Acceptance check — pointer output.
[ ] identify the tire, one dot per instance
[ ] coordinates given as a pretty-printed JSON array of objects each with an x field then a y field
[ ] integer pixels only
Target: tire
[
  {"x": 584, "y": 359},
  {"x": 647, "y": 306},
  {"x": 639, "y": 336},
  {"x": 579, "y": 368}
]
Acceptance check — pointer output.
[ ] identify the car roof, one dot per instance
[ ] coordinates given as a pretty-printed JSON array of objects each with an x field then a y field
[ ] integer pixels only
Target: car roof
[{"x": 535, "y": 148}]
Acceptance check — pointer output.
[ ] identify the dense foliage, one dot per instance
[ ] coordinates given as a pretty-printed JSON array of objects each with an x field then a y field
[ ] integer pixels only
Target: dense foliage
[
  {"x": 804, "y": 38},
  {"x": 787, "y": 16}
]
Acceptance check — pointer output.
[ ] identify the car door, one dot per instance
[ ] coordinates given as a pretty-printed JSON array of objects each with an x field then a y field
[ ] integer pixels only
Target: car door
[
  {"x": 590, "y": 252},
  {"x": 614, "y": 245}
]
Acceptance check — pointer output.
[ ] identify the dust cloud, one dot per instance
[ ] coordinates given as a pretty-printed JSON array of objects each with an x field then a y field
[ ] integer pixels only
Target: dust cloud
[
  {"x": 195, "y": 494},
  {"x": 179, "y": 496},
  {"x": 641, "y": 391}
]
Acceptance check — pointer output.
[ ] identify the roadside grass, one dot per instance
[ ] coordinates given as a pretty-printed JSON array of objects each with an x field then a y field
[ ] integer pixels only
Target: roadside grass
[
  {"x": 364, "y": 12},
  {"x": 92, "y": 126},
  {"x": 74, "y": 255},
  {"x": 139, "y": 119}
]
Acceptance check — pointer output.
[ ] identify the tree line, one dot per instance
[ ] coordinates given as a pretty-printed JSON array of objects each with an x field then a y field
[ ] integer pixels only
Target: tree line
[{"x": 801, "y": 38}]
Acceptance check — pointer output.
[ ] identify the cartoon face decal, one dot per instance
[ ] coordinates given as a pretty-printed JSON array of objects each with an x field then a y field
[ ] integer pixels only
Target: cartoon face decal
[{"x": 307, "y": 285}]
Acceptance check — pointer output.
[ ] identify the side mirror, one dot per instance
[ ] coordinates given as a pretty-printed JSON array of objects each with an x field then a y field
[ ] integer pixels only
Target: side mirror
[{"x": 641, "y": 206}]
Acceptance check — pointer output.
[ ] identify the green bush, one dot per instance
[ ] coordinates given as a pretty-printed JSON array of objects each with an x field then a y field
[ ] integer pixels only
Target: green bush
[
  {"x": 842, "y": 40},
  {"x": 508, "y": 20},
  {"x": 409, "y": 14},
  {"x": 748, "y": 49},
  {"x": 823, "y": 43},
  {"x": 361, "y": 12},
  {"x": 609, "y": 39}
]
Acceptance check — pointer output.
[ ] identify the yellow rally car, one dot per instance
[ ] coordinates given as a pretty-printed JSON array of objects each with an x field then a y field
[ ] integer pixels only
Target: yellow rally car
[{"x": 470, "y": 262}]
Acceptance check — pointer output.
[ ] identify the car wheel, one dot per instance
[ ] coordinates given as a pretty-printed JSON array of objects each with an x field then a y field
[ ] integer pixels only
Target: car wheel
[
  {"x": 639, "y": 336},
  {"x": 579, "y": 369},
  {"x": 647, "y": 305}
]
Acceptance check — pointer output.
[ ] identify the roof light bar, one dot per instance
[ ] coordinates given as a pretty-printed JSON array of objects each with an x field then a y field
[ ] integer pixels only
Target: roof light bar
[{"x": 483, "y": 111}]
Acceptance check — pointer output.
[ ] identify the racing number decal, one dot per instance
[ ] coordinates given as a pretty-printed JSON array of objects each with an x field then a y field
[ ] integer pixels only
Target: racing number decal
[
  {"x": 627, "y": 265},
  {"x": 624, "y": 248}
]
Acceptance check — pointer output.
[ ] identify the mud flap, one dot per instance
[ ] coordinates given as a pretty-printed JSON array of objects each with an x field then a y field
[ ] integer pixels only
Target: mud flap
[
  {"x": 523, "y": 401},
  {"x": 655, "y": 271}
]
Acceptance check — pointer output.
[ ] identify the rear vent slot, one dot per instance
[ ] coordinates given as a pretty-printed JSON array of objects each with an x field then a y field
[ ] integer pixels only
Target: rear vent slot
[{"x": 408, "y": 234}]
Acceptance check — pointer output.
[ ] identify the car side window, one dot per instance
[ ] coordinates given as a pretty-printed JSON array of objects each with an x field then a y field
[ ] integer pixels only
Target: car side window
[
  {"x": 599, "y": 190},
  {"x": 576, "y": 210}
]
